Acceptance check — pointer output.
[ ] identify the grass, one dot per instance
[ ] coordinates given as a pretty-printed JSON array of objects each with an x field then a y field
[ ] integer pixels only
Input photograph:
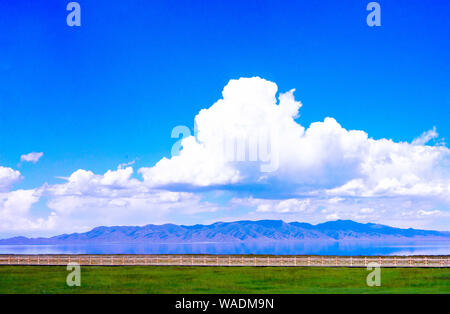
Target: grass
[{"x": 173, "y": 279}]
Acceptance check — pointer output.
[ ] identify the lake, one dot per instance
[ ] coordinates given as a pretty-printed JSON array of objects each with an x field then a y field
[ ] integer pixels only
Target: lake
[{"x": 351, "y": 248}]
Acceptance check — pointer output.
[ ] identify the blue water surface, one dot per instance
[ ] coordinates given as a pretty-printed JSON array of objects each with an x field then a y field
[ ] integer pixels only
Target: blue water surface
[{"x": 347, "y": 248}]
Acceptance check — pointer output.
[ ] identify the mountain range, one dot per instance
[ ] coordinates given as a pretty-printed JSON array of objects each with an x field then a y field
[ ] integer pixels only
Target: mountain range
[{"x": 238, "y": 231}]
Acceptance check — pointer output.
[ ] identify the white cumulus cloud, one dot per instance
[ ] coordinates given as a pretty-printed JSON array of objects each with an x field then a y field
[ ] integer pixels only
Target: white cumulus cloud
[
  {"x": 15, "y": 212},
  {"x": 31, "y": 157},
  {"x": 8, "y": 177},
  {"x": 324, "y": 158},
  {"x": 88, "y": 200}
]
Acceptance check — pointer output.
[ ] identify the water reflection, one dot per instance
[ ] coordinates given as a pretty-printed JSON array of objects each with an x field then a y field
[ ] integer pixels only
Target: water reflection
[{"x": 277, "y": 248}]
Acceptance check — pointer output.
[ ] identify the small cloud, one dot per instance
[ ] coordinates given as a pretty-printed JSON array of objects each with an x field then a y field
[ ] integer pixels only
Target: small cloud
[
  {"x": 428, "y": 213},
  {"x": 127, "y": 164},
  {"x": 425, "y": 137},
  {"x": 332, "y": 217},
  {"x": 286, "y": 206},
  {"x": 335, "y": 200},
  {"x": 31, "y": 157}
]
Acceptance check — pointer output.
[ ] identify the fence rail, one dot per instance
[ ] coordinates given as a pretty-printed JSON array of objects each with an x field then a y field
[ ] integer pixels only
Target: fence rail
[{"x": 226, "y": 260}]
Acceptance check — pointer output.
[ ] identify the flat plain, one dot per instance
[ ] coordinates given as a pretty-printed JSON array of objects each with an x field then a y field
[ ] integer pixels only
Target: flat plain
[{"x": 194, "y": 279}]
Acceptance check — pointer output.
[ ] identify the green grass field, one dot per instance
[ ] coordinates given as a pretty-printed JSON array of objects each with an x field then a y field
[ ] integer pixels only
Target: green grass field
[{"x": 172, "y": 279}]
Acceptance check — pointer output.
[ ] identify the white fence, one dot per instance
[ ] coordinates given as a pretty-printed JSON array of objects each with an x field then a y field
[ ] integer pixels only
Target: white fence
[{"x": 226, "y": 260}]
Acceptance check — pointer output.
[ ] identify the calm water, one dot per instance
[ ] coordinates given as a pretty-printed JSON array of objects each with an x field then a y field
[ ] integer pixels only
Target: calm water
[{"x": 277, "y": 248}]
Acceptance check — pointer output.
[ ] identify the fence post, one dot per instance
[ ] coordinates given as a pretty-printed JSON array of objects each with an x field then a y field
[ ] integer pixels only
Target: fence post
[
  {"x": 426, "y": 261},
  {"x": 336, "y": 261},
  {"x": 365, "y": 261},
  {"x": 295, "y": 260}
]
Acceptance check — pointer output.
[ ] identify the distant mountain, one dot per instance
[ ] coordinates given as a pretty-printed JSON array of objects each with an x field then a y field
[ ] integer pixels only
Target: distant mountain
[{"x": 262, "y": 230}]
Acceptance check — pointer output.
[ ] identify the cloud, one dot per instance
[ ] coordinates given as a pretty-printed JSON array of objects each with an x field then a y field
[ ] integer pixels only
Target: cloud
[
  {"x": 324, "y": 158},
  {"x": 15, "y": 206},
  {"x": 425, "y": 137},
  {"x": 401, "y": 211},
  {"x": 284, "y": 206},
  {"x": 428, "y": 213},
  {"x": 248, "y": 114},
  {"x": 366, "y": 210},
  {"x": 15, "y": 212},
  {"x": 8, "y": 177},
  {"x": 87, "y": 200},
  {"x": 323, "y": 166},
  {"x": 31, "y": 157},
  {"x": 332, "y": 217},
  {"x": 126, "y": 164},
  {"x": 250, "y": 146}
]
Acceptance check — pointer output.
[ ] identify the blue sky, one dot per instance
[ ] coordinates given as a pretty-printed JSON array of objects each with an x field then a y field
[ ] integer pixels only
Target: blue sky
[{"x": 110, "y": 91}]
